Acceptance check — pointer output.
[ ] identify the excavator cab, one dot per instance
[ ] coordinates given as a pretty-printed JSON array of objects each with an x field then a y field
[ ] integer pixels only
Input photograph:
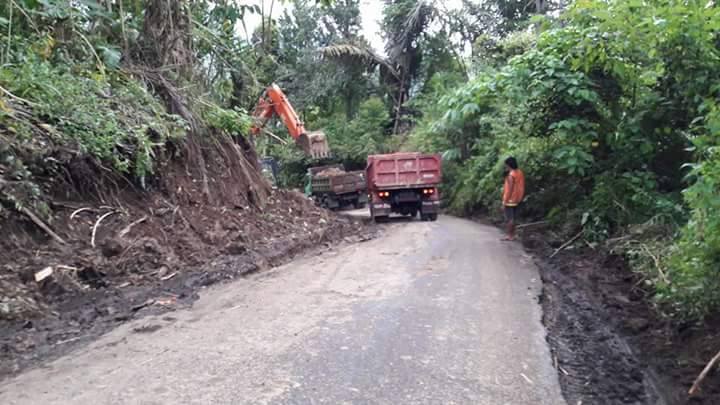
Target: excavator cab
[{"x": 274, "y": 102}]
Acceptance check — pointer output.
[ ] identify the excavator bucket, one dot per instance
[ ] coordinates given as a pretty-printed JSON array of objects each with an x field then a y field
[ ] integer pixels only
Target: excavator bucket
[{"x": 314, "y": 143}]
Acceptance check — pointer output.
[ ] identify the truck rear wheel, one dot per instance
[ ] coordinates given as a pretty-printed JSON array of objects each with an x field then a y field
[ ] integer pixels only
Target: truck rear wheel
[{"x": 429, "y": 217}]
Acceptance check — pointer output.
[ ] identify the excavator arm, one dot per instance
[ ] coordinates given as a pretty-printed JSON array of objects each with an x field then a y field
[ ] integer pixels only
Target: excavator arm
[{"x": 272, "y": 102}]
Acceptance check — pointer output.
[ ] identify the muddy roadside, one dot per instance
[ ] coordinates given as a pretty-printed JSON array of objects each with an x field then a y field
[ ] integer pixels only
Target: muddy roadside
[{"x": 608, "y": 344}]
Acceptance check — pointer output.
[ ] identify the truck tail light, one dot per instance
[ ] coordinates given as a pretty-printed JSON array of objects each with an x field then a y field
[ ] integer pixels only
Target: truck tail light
[
  {"x": 428, "y": 191},
  {"x": 384, "y": 194}
]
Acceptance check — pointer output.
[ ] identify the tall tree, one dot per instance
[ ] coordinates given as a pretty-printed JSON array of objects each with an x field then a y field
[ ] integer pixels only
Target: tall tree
[
  {"x": 304, "y": 30},
  {"x": 404, "y": 23}
]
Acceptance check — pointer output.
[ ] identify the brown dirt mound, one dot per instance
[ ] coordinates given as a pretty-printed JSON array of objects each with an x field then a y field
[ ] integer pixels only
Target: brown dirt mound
[
  {"x": 331, "y": 172},
  {"x": 209, "y": 218}
]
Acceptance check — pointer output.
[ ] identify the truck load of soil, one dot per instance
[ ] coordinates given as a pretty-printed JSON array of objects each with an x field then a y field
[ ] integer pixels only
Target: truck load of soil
[{"x": 330, "y": 172}]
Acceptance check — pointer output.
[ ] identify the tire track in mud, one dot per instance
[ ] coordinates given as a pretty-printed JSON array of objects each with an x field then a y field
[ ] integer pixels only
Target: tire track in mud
[{"x": 595, "y": 364}]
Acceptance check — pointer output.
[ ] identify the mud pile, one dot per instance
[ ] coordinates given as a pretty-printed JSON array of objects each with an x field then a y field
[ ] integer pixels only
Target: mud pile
[
  {"x": 331, "y": 172},
  {"x": 121, "y": 252}
]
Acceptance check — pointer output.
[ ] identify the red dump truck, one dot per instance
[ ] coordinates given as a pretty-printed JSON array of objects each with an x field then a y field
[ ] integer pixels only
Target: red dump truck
[{"x": 404, "y": 183}]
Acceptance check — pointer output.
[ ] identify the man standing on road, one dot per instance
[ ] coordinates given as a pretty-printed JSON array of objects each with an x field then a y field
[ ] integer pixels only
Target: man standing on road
[{"x": 513, "y": 194}]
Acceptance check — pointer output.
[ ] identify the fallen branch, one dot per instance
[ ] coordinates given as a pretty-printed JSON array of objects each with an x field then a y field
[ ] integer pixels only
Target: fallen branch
[
  {"x": 703, "y": 374},
  {"x": 147, "y": 303},
  {"x": 277, "y": 138},
  {"x": 79, "y": 210},
  {"x": 20, "y": 99},
  {"x": 42, "y": 225},
  {"x": 531, "y": 224},
  {"x": 618, "y": 239},
  {"x": 127, "y": 229},
  {"x": 95, "y": 227},
  {"x": 568, "y": 243},
  {"x": 62, "y": 342}
]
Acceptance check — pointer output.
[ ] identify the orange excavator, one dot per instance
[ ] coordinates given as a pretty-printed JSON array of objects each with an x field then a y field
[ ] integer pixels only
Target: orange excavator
[{"x": 273, "y": 101}]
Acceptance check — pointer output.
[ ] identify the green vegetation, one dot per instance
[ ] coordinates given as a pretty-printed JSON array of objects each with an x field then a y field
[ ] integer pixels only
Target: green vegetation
[
  {"x": 612, "y": 111},
  {"x": 79, "y": 83},
  {"x": 111, "y": 117}
]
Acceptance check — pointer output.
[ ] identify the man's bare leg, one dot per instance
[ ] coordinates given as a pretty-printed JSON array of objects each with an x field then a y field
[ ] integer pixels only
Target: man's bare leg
[{"x": 510, "y": 229}]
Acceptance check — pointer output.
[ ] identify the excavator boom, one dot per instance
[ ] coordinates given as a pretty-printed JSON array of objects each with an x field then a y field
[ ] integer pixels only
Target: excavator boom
[{"x": 273, "y": 101}]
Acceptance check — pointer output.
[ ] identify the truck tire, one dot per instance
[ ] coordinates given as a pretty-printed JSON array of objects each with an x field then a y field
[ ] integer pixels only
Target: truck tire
[{"x": 429, "y": 217}]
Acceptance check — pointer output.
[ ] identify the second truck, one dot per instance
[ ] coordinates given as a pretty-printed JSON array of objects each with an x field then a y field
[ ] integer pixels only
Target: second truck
[
  {"x": 333, "y": 188},
  {"x": 404, "y": 183}
]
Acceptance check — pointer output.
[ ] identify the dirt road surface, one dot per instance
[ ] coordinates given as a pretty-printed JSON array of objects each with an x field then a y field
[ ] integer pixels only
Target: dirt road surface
[{"x": 428, "y": 313}]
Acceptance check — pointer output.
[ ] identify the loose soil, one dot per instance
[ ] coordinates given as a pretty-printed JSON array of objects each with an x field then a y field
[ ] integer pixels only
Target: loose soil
[
  {"x": 610, "y": 345},
  {"x": 152, "y": 251}
]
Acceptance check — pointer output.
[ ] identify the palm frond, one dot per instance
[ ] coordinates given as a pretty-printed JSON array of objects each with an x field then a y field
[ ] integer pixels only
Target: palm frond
[
  {"x": 415, "y": 22},
  {"x": 356, "y": 53}
]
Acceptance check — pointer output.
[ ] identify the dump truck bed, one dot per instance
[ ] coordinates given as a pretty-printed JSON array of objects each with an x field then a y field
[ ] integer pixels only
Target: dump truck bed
[
  {"x": 339, "y": 184},
  {"x": 403, "y": 170},
  {"x": 333, "y": 179}
]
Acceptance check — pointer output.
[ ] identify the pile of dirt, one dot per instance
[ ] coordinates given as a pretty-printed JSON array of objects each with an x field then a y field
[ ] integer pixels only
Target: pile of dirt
[
  {"x": 119, "y": 253},
  {"x": 330, "y": 172},
  {"x": 610, "y": 345}
]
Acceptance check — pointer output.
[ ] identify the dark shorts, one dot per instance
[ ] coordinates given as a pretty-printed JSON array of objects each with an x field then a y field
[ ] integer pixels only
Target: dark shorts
[{"x": 510, "y": 213}]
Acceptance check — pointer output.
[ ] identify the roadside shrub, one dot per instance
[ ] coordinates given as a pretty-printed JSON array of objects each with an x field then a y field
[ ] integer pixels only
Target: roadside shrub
[
  {"x": 111, "y": 117},
  {"x": 62, "y": 110},
  {"x": 694, "y": 267}
]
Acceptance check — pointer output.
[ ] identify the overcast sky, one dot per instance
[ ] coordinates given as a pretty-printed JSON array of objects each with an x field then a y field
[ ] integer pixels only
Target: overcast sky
[{"x": 370, "y": 11}]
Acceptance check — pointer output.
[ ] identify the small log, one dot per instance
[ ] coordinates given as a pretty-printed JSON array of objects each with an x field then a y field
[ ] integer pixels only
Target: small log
[
  {"x": 531, "y": 224},
  {"x": 568, "y": 243},
  {"x": 42, "y": 225},
  {"x": 128, "y": 228},
  {"x": 696, "y": 385}
]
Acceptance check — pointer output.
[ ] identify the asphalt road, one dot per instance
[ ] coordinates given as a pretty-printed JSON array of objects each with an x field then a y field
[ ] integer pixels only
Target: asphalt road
[{"x": 429, "y": 313}]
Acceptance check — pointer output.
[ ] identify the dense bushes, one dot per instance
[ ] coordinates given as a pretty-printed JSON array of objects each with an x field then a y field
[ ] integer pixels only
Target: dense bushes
[
  {"x": 694, "y": 265},
  {"x": 601, "y": 111},
  {"x": 111, "y": 116}
]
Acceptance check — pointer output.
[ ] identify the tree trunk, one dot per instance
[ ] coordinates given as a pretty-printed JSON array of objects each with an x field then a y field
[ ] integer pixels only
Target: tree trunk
[
  {"x": 167, "y": 34},
  {"x": 400, "y": 101}
]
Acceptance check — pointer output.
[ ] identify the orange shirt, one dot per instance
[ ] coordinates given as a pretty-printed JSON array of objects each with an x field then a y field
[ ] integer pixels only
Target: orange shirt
[{"x": 514, "y": 190}]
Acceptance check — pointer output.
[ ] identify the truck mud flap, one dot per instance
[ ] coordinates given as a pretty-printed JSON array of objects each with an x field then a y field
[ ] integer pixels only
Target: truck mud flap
[
  {"x": 430, "y": 207},
  {"x": 380, "y": 210}
]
